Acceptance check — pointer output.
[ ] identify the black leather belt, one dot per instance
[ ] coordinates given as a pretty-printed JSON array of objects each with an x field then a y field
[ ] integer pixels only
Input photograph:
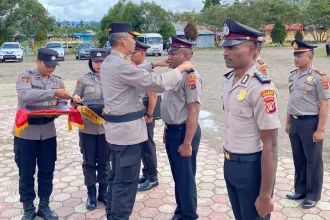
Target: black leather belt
[
  {"x": 242, "y": 157},
  {"x": 40, "y": 121},
  {"x": 304, "y": 116},
  {"x": 124, "y": 118},
  {"x": 171, "y": 126}
]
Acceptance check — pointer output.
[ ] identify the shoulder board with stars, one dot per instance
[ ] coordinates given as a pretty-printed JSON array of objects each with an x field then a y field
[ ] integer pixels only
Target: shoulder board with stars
[
  {"x": 229, "y": 74},
  {"x": 262, "y": 78},
  {"x": 319, "y": 72}
]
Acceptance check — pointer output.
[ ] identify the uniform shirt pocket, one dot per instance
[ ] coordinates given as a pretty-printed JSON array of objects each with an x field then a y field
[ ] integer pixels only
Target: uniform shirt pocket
[
  {"x": 242, "y": 119},
  {"x": 89, "y": 92}
]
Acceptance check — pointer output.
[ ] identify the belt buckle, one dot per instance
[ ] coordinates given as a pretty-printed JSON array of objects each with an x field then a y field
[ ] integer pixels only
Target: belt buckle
[
  {"x": 227, "y": 155},
  {"x": 295, "y": 117}
]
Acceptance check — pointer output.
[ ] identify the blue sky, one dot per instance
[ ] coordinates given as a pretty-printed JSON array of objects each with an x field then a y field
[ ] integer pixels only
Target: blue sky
[{"x": 95, "y": 9}]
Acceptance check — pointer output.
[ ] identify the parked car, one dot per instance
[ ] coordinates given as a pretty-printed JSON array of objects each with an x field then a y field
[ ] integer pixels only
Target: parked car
[
  {"x": 83, "y": 50},
  {"x": 58, "y": 47},
  {"x": 107, "y": 46},
  {"x": 11, "y": 51}
]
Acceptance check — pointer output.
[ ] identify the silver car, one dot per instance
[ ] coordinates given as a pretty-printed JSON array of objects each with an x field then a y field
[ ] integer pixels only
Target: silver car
[{"x": 58, "y": 47}]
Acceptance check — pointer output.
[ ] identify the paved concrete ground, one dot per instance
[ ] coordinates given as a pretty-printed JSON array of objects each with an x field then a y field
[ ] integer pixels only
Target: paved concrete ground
[{"x": 69, "y": 196}]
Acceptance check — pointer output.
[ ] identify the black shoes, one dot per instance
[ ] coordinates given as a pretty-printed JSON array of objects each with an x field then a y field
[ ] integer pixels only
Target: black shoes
[
  {"x": 29, "y": 211},
  {"x": 177, "y": 217},
  {"x": 147, "y": 185},
  {"x": 307, "y": 204},
  {"x": 142, "y": 179},
  {"x": 295, "y": 196},
  {"x": 91, "y": 198},
  {"x": 44, "y": 210},
  {"x": 102, "y": 197}
]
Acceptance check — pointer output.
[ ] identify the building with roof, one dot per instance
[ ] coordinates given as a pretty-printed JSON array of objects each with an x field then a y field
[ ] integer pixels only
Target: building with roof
[{"x": 205, "y": 37}]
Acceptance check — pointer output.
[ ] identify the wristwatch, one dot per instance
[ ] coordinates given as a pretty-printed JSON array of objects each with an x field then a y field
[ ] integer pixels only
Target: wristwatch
[
  {"x": 149, "y": 115},
  {"x": 152, "y": 65}
]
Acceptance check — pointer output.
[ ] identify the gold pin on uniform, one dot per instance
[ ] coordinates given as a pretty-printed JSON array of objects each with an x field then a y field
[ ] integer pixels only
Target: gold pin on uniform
[
  {"x": 309, "y": 79},
  {"x": 241, "y": 95}
]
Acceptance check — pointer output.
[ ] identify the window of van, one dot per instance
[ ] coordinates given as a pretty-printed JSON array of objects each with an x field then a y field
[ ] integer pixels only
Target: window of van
[
  {"x": 141, "y": 39},
  {"x": 154, "y": 40}
]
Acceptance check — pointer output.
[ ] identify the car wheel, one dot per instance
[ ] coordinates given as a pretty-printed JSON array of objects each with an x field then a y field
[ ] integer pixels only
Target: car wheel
[
  {"x": 63, "y": 59},
  {"x": 79, "y": 57},
  {"x": 160, "y": 54},
  {"x": 76, "y": 57},
  {"x": 20, "y": 60}
]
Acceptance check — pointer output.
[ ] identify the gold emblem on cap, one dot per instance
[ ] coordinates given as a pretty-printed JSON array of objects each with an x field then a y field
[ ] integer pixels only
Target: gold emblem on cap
[
  {"x": 53, "y": 58},
  {"x": 295, "y": 46},
  {"x": 309, "y": 79},
  {"x": 241, "y": 95}
]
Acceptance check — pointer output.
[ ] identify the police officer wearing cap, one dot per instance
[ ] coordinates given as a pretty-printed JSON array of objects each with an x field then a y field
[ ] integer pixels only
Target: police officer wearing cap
[
  {"x": 305, "y": 123},
  {"x": 149, "y": 177},
  {"x": 251, "y": 126},
  {"x": 36, "y": 145},
  {"x": 182, "y": 134},
  {"x": 123, "y": 84},
  {"x": 259, "y": 62},
  {"x": 94, "y": 147}
]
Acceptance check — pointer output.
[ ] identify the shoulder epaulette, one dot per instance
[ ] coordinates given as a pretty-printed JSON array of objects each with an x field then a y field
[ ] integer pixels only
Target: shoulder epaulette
[
  {"x": 229, "y": 74},
  {"x": 262, "y": 78},
  {"x": 190, "y": 71},
  {"x": 261, "y": 62},
  {"x": 319, "y": 72},
  {"x": 57, "y": 76},
  {"x": 294, "y": 71}
]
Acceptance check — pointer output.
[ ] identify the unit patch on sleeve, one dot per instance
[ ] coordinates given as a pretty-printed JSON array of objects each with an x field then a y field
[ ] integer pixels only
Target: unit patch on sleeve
[
  {"x": 269, "y": 100},
  {"x": 192, "y": 81}
]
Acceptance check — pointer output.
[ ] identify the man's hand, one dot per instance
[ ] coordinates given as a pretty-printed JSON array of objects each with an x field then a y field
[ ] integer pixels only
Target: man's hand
[
  {"x": 76, "y": 99},
  {"x": 148, "y": 120},
  {"x": 264, "y": 206},
  {"x": 62, "y": 94},
  {"x": 161, "y": 63},
  {"x": 185, "y": 66},
  {"x": 185, "y": 150},
  {"x": 287, "y": 128},
  {"x": 318, "y": 136}
]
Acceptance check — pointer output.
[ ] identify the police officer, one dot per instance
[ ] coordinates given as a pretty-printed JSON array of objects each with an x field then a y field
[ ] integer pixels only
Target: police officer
[
  {"x": 260, "y": 64},
  {"x": 94, "y": 147},
  {"x": 149, "y": 178},
  {"x": 37, "y": 143},
  {"x": 251, "y": 126},
  {"x": 305, "y": 124},
  {"x": 182, "y": 134},
  {"x": 125, "y": 129}
]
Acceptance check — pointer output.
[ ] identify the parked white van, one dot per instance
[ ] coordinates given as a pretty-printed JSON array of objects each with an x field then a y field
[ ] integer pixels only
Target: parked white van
[{"x": 154, "y": 40}]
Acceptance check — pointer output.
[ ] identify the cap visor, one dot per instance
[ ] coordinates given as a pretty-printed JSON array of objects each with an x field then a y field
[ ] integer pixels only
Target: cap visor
[
  {"x": 51, "y": 63},
  {"x": 134, "y": 33},
  {"x": 173, "y": 49},
  {"x": 228, "y": 43},
  {"x": 97, "y": 58}
]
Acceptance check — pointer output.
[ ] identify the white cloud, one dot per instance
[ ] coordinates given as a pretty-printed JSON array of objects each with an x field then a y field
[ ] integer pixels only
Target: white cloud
[{"x": 95, "y": 9}]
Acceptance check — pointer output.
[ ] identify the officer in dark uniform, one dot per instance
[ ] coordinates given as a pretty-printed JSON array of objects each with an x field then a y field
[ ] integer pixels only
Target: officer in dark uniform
[
  {"x": 251, "y": 126},
  {"x": 36, "y": 145},
  {"x": 305, "y": 124},
  {"x": 94, "y": 147},
  {"x": 149, "y": 177},
  {"x": 123, "y": 84},
  {"x": 182, "y": 134}
]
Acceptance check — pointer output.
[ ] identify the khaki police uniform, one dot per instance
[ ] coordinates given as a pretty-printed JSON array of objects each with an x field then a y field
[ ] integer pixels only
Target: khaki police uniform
[
  {"x": 306, "y": 91},
  {"x": 38, "y": 140},
  {"x": 250, "y": 105},
  {"x": 174, "y": 113},
  {"x": 95, "y": 149},
  {"x": 123, "y": 84},
  {"x": 261, "y": 66}
]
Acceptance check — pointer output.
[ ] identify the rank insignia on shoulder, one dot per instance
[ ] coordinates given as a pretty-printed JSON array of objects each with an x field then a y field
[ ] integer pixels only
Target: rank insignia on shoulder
[
  {"x": 293, "y": 71},
  {"x": 261, "y": 62},
  {"x": 229, "y": 74},
  {"x": 190, "y": 71},
  {"x": 262, "y": 78},
  {"x": 319, "y": 72}
]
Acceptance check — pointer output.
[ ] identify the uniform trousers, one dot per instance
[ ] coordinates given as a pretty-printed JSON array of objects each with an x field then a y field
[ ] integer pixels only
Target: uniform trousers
[
  {"x": 243, "y": 180},
  {"x": 307, "y": 157},
  {"x": 123, "y": 181},
  {"x": 149, "y": 157},
  {"x": 28, "y": 154},
  {"x": 96, "y": 158},
  {"x": 183, "y": 170}
]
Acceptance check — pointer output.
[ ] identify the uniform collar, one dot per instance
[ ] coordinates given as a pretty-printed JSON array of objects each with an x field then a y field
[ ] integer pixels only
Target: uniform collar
[
  {"x": 309, "y": 71},
  {"x": 38, "y": 75},
  {"x": 245, "y": 80},
  {"x": 117, "y": 53}
]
